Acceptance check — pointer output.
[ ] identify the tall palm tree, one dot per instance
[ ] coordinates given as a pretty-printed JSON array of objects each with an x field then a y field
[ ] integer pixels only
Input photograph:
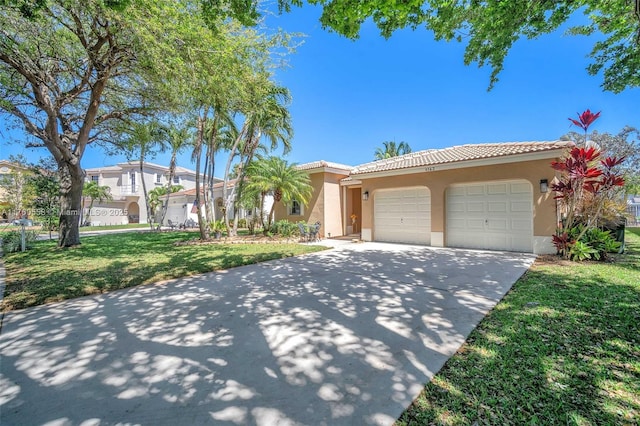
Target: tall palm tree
[
  {"x": 142, "y": 140},
  {"x": 285, "y": 181},
  {"x": 266, "y": 116},
  {"x": 177, "y": 140},
  {"x": 95, "y": 192},
  {"x": 390, "y": 149}
]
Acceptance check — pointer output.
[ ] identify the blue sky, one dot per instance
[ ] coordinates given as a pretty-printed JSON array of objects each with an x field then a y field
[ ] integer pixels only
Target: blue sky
[{"x": 350, "y": 96}]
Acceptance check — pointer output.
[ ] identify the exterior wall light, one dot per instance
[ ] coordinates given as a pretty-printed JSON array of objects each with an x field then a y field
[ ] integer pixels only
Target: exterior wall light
[
  {"x": 365, "y": 195},
  {"x": 544, "y": 185}
]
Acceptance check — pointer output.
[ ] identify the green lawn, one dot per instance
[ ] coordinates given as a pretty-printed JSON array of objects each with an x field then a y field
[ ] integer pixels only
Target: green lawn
[
  {"x": 103, "y": 263},
  {"x": 562, "y": 347}
]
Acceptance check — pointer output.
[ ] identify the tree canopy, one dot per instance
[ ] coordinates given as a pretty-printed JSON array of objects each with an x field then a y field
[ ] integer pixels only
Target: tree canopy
[
  {"x": 72, "y": 72},
  {"x": 391, "y": 149},
  {"x": 491, "y": 27}
]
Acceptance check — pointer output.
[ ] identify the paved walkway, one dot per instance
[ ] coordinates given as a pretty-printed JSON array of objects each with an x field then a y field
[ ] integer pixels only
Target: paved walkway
[{"x": 343, "y": 337}]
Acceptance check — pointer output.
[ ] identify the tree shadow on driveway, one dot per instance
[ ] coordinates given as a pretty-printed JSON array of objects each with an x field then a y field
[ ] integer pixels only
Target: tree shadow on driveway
[{"x": 347, "y": 336}]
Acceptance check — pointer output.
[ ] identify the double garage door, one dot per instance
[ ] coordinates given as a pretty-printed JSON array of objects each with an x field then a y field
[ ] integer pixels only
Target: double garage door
[
  {"x": 402, "y": 215},
  {"x": 483, "y": 215},
  {"x": 490, "y": 215}
]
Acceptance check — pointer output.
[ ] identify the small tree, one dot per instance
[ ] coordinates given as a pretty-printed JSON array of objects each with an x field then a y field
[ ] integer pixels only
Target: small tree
[
  {"x": 95, "y": 192},
  {"x": 45, "y": 204},
  {"x": 587, "y": 184}
]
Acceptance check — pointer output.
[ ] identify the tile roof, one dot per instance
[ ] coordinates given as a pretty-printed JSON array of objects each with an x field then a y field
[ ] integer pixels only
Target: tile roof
[
  {"x": 322, "y": 164},
  {"x": 216, "y": 185},
  {"x": 458, "y": 153}
]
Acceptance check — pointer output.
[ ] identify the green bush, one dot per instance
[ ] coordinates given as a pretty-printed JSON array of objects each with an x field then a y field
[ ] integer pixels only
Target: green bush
[
  {"x": 242, "y": 223},
  {"x": 12, "y": 240},
  {"x": 602, "y": 241},
  {"x": 594, "y": 243},
  {"x": 284, "y": 228},
  {"x": 580, "y": 251}
]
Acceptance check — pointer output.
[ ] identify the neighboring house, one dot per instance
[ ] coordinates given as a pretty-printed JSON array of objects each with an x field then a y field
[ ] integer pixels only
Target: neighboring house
[
  {"x": 484, "y": 196},
  {"x": 633, "y": 210},
  {"x": 125, "y": 181},
  {"x": 11, "y": 191},
  {"x": 182, "y": 207}
]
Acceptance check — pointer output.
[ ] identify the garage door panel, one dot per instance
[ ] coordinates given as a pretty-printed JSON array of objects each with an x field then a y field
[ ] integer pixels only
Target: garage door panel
[
  {"x": 497, "y": 207},
  {"x": 499, "y": 189},
  {"x": 475, "y": 190},
  {"x": 521, "y": 188},
  {"x": 403, "y": 215},
  {"x": 474, "y": 224},
  {"x": 501, "y": 220},
  {"x": 521, "y": 206},
  {"x": 521, "y": 225},
  {"x": 475, "y": 206},
  {"x": 497, "y": 224}
]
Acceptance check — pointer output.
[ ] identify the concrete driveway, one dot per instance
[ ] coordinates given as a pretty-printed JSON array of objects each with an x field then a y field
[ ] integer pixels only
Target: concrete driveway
[{"x": 347, "y": 336}]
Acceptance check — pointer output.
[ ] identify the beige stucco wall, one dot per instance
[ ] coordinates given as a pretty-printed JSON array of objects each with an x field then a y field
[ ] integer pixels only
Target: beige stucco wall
[
  {"x": 333, "y": 200},
  {"x": 324, "y": 206},
  {"x": 437, "y": 181}
]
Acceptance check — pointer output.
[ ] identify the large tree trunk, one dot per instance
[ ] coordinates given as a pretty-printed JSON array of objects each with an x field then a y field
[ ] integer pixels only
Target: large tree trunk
[{"x": 71, "y": 182}]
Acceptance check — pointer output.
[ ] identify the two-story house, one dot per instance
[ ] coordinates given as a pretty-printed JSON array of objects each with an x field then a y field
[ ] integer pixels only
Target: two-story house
[
  {"x": 128, "y": 204},
  {"x": 12, "y": 180}
]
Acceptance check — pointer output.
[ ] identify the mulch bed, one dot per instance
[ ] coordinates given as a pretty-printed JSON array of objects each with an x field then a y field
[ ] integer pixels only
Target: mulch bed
[{"x": 244, "y": 239}]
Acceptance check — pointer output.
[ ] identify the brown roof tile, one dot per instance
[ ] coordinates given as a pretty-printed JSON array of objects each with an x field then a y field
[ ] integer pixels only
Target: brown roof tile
[
  {"x": 459, "y": 153},
  {"x": 321, "y": 164}
]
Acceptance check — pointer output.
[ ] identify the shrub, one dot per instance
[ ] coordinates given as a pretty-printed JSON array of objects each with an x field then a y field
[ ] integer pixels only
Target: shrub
[
  {"x": 242, "y": 223},
  {"x": 12, "y": 240},
  {"x": 580, "y": 251},
  {"x": 284, "y": 228},
  {"x": 581, "y": 243}
]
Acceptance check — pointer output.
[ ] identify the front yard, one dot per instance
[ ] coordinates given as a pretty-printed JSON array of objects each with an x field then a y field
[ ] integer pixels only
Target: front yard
[
  {"x": 562, "y": 347},
  {"x": 109, "y": 262}
]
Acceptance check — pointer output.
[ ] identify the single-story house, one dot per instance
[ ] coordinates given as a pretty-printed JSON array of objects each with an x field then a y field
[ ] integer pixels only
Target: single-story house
[{"x": 483, "y": 196}]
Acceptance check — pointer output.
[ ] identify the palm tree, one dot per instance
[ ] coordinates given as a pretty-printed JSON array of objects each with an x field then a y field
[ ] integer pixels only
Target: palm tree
[
  {"x": 157, "y": 198},
  {"x": 177, "y": 140},
  {"x": 266, "y": 116},
  {"x": 392, "y": 150},
  {"x": 285, "y": 181},
  {"x": 95, "y": 192}
]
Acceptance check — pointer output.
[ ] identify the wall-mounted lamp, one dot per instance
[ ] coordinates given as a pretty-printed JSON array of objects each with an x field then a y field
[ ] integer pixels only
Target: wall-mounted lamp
[
  {"x": 365, "y": 195},
  {"x": 544, "y": 185}
]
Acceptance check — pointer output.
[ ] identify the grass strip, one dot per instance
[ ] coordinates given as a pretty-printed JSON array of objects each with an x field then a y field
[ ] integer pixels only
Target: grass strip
[
  {"x": 109, "y": 262},
  {"x": 562, "y": 347}
]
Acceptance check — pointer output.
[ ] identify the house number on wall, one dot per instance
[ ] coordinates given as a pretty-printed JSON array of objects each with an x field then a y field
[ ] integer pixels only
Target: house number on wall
[{"x": 429, "y": 169}]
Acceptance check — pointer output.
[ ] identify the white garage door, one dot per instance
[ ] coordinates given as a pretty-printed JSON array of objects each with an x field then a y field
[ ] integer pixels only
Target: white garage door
[
  {"x": 491, "y": 215},
  {"x": 402, "y": 215}
]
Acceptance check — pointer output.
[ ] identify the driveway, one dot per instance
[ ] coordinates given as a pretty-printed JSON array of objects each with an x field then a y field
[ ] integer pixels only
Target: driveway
[{"x": 347, "y": 336}]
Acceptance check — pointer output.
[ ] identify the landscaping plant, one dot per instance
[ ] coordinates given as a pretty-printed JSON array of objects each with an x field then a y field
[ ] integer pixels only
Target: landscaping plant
[{"x": 587, "y": 188}]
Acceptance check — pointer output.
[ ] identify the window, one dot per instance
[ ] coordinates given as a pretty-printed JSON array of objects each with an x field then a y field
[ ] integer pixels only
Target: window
[
  {"x": 95, "y": 178},
  {"x": 158, "y": 178},
  {"x": 176, "y": 179},
  {"x": 295, "y": 209}
]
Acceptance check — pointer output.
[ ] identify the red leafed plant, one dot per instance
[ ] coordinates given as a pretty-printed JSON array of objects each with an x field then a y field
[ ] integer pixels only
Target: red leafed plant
[
  {"x": 585, "y": 119},
  {"x": 585, "y": 184}
]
